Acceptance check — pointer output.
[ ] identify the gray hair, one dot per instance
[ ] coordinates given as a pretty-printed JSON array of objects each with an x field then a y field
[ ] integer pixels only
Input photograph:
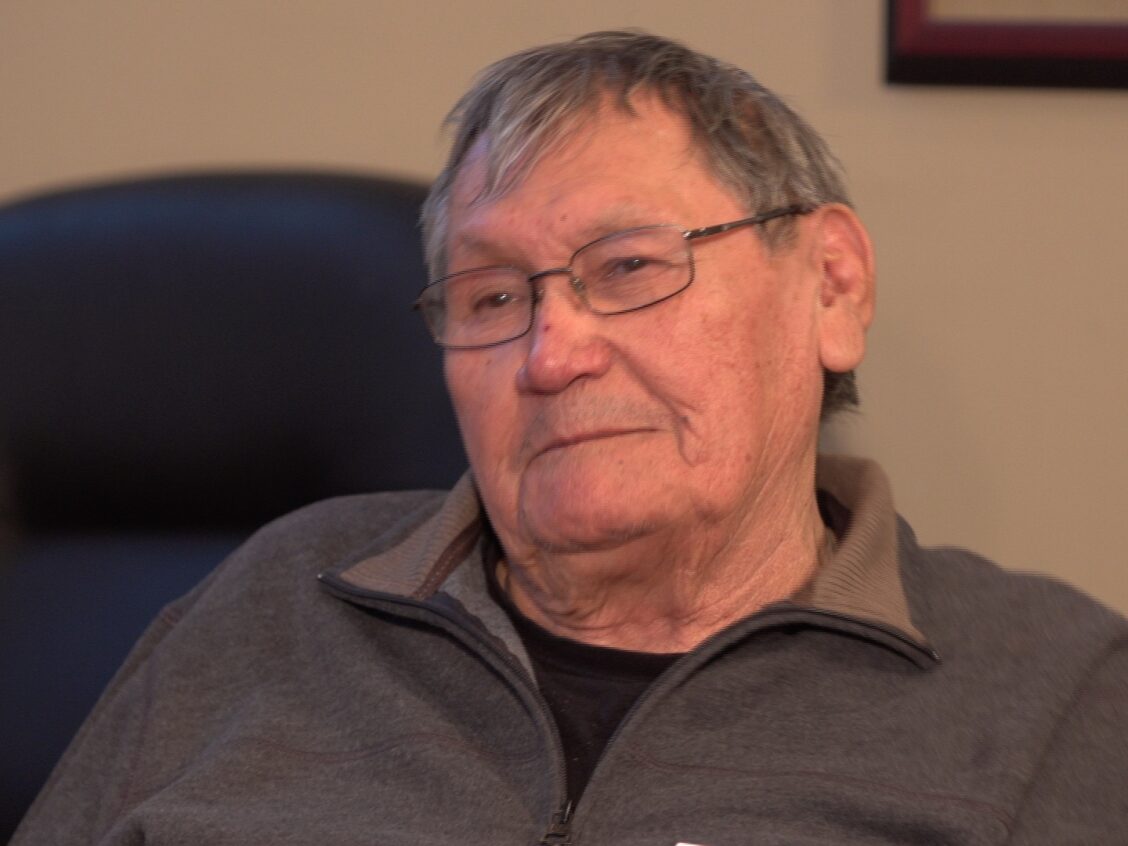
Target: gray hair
[{"x": 754, "y": 144}]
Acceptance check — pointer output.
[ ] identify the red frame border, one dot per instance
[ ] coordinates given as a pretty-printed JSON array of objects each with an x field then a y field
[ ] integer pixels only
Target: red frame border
[{"x": 917, "y": 33}]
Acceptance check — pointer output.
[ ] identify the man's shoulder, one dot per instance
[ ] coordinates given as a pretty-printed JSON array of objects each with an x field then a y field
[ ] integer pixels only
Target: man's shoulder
[
  {"x": 969, "y": 605},
  {"x": 285, "y": 556},
  {"x": 261, "y": 600}
]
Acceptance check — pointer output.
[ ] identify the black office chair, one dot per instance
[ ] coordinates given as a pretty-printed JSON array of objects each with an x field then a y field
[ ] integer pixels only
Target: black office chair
[{"x": 183, "y": 358}]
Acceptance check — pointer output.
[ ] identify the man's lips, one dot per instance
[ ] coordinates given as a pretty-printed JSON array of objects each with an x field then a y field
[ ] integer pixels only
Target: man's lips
[{"x": 584, "y": 437}]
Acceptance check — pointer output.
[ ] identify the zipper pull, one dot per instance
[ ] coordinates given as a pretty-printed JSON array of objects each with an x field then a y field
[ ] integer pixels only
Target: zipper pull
[{"x": 559, "y": 833}]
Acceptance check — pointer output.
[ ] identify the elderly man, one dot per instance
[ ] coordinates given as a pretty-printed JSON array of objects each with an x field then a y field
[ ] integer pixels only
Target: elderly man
[{"x": 650, "y": 614}]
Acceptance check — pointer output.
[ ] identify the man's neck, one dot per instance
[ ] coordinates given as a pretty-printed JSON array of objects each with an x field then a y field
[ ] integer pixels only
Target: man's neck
[{"x": 667, "y": 593}]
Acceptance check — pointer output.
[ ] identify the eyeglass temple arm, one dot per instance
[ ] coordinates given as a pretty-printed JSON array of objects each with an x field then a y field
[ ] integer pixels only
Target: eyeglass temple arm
[{"x": 706, "y": 231}]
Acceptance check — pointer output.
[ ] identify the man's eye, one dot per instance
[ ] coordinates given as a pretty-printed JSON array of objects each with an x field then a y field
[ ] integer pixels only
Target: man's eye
[
  {"x": 494, "y": 300},
  {"x": 629, "y": 266}
]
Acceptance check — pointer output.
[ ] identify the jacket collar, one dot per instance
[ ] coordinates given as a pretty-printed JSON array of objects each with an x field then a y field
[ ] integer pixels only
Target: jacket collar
[{"x": 861, "y": 580}]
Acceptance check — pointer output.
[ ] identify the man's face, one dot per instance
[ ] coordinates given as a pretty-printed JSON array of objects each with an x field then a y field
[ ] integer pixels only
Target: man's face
[{"x": 594, "y": 430}]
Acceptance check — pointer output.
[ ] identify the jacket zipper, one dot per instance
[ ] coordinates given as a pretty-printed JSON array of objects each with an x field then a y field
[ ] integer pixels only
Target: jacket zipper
[
  {"x": 559, "y": 832},
  {"x": 559, "y": 829}
]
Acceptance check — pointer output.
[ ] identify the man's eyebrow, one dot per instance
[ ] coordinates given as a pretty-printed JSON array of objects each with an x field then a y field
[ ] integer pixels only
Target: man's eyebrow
[
  {"x": 610, "y": 219},
  {"x": 470, "y": 240},
  {"x": 625, "y": 215}
]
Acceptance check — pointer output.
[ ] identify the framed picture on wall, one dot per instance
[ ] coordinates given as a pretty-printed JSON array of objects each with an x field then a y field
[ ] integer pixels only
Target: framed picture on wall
[{"x": 1059, "y": 43}]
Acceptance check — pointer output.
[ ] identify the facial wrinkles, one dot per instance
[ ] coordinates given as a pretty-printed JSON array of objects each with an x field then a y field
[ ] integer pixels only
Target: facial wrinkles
[{"x": 774, "y": 469}]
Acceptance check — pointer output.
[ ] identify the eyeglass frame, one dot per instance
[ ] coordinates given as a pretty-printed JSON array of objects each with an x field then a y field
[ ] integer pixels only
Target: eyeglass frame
[{"x": 688, "y": 235}]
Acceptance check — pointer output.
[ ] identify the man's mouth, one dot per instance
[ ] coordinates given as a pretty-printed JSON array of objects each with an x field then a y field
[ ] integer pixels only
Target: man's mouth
[{"x": 586, "y": 437}]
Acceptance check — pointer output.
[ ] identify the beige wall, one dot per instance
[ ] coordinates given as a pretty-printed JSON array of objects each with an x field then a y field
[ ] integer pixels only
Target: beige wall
[{"x": 995, "y": 391}]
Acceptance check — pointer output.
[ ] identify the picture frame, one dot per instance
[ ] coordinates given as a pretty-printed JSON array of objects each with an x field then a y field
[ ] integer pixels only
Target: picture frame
[{"x": 1038, "y": 43}]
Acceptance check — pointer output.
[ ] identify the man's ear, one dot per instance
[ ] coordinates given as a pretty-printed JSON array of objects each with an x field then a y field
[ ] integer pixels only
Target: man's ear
[{"x": 844, "y": 255}]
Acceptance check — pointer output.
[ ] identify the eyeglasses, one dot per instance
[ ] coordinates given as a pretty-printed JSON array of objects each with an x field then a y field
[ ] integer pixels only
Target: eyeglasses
[{"x": 624, "y": 271}]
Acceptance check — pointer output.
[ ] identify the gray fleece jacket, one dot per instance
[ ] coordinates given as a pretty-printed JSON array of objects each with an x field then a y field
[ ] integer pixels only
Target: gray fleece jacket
[{"x": 908, "y": 696}]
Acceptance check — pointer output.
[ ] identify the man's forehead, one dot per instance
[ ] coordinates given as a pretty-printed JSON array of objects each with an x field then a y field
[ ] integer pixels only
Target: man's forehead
[
  {"x": 491, "y": 169},
  {"x": 491, "y": 172},
  {"x": 489, "y": 224}
]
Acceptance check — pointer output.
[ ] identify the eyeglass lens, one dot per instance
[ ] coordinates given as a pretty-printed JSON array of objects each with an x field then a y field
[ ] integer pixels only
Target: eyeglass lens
[{"x": 622, "y": 272}]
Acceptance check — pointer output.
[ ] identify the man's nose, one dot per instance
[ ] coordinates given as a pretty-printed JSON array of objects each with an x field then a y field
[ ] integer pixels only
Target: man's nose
[{"x": 566, "y": 340}]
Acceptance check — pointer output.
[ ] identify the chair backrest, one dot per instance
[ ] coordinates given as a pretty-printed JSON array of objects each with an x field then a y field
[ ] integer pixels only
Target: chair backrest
[
  {"x": 214, "y": 349},
  {"x": 182, "y": 359}
]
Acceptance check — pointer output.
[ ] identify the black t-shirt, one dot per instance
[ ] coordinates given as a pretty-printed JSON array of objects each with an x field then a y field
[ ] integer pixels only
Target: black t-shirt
[{"x": 589, "y": 688}]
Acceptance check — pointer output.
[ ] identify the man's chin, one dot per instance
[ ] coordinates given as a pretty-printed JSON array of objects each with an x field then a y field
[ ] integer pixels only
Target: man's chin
[
  {"x": 580, "y": 502},
  {"x": 582, "y": 525}
]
